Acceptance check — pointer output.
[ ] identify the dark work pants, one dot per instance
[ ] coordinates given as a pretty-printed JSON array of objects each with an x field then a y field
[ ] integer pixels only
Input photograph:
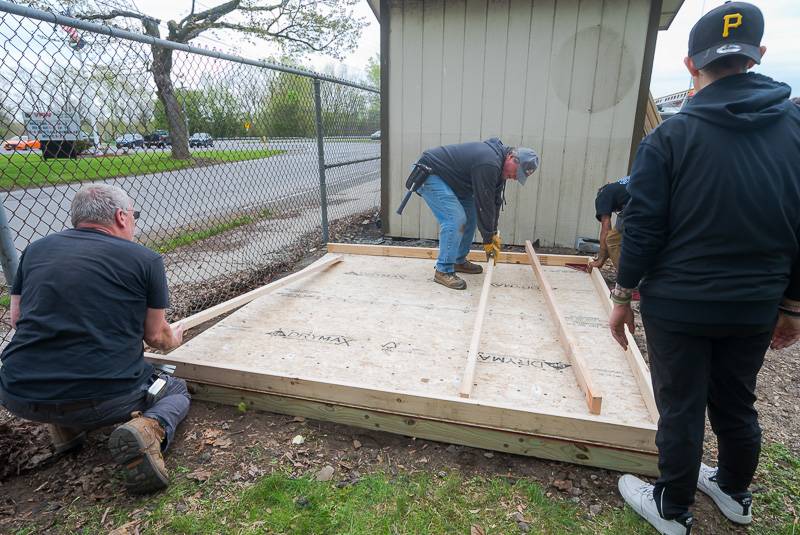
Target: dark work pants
[
  {"x": 711, "y": 366},
  {"x": 170, "y": 410}
]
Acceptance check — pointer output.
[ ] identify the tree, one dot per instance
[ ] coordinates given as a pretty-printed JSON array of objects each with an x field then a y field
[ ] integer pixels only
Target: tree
[
  {"x": 298, "y": 26},
  {"x": 374, "y": 71}
]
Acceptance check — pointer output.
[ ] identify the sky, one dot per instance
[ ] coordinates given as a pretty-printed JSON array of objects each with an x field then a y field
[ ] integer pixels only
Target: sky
[
  {"x": 782, "y": 23},
  {"x": 352, "y": 67}
]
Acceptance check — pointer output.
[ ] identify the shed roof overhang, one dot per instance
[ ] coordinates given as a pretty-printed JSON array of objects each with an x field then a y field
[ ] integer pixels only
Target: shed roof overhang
[{"x": 669, "y": 8}]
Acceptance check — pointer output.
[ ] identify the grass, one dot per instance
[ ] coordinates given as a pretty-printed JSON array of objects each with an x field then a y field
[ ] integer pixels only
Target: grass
[
  {"x": 31, "y": 170},
  {"x": 419, "y": 503},
  {"x": 5, "y": 301},
  {"x": 187, "y": 238}
]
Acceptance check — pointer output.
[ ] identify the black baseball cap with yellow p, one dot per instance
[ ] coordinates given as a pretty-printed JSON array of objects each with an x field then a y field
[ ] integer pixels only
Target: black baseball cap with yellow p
[{"x": 734, "y": 28}]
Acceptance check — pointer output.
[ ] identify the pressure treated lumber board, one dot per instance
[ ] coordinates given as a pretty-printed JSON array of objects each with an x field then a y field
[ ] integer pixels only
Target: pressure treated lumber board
[
  {"x": 454, "y": 433},
  {"x": 594, "y": 398},
  {"x": 376, "y": 333}
]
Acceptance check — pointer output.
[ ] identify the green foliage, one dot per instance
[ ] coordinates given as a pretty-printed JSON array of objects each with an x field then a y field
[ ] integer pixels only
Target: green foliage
[
  {"x": 290, "y": 110},
  {"x": 374, "y": 71},
  {"x": 188, "y": 238},
  {"x": 30, "y": 170},
  {"x": 779, "y": 475}
]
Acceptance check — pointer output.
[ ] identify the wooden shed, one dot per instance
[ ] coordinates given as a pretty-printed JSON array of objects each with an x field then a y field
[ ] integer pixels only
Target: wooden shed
[{"x": 568, "y": 78}]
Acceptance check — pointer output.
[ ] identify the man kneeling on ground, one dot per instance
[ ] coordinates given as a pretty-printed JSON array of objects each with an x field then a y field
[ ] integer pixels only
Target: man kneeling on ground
[{"x": 82, "y": 302}]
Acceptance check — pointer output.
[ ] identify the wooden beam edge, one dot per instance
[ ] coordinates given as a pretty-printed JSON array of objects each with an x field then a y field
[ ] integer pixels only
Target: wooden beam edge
[
  {"x": 241, "y": 300},
  {"x": 597, "y": 429},
  {"x": 639, "y": 368},
  {"x": 545, "y": 447},
  {"x": 429, "y": 253}
]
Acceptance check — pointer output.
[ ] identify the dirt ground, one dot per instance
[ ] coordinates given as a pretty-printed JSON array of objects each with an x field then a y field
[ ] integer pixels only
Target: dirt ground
[{"x": 42, "y": 491}]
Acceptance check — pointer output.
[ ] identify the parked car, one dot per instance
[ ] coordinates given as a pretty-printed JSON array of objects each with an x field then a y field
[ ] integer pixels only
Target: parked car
[
  {"x": 376, "y": 135},
  {"x": 159, "y": 138},
  {"x": 22, "y": 143},
  {"x": 201, "y": 139},
  {"x": 130, "y": 141}
]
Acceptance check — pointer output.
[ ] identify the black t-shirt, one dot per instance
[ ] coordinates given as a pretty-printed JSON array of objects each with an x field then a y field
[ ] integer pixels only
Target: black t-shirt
[
  {"x": 612, "y": 198},
  {"x": 84, "y": 300}
]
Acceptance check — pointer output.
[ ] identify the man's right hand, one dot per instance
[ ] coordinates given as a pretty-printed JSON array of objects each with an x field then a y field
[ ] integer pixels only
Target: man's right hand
[
  {"x": 177, "y": 334},
  {"x": 786, "y": 333},
  {"x": 595, "y": 263},
  {"x": 492, "y": 249}
]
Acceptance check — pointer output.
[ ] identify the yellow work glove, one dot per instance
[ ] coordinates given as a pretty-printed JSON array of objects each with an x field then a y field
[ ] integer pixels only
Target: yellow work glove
[{"x": 492, "y": 248}]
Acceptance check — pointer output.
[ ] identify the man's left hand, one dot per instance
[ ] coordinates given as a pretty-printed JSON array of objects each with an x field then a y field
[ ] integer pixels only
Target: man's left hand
[{"x": 621, "y": 316}]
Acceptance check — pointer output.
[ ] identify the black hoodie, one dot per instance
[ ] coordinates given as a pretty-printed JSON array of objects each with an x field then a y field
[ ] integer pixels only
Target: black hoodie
[
  {"x": 713, "y": 225},
  {"x": 474, "y": 168}
]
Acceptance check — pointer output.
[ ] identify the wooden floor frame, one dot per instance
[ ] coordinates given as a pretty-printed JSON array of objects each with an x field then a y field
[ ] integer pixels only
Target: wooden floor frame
[{"x": 550, "y": 435}]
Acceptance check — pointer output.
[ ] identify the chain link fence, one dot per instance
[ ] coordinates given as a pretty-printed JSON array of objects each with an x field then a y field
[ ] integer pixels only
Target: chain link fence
[{"x": 235, "y": 165}]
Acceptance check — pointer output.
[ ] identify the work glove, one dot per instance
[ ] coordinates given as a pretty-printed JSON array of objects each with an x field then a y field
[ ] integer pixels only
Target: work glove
[{"x": 492, "y": 248}]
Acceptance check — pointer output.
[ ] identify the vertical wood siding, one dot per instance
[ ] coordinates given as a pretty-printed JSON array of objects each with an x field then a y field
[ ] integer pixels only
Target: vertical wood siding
[{"x": 560, "y": 76}]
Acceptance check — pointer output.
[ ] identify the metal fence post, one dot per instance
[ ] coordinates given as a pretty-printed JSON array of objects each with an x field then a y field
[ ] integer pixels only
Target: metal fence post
[
  {"x": 8, "y": 253},
  {"x": 321, "y": 157}
]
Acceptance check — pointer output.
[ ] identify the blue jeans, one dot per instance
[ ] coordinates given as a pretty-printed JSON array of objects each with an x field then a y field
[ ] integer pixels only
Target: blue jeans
[
  {"x": 171, "y": 409},
  {"x": 457, "y": 219}
]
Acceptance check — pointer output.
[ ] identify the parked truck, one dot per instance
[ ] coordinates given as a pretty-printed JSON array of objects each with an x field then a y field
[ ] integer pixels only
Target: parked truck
[
  {"x": 59, "y": 133},
  {"x": 159, "y": 138}
]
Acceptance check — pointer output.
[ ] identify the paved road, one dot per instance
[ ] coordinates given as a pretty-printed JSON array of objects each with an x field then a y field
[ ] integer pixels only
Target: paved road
[{"x": 189, "y": 197}]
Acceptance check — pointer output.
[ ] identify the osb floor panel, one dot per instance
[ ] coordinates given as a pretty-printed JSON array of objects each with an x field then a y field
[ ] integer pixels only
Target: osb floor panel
[{"x": 381, "y": 322}]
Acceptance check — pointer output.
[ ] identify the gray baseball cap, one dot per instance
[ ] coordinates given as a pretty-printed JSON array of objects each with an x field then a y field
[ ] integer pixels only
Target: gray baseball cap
[{"x": 528, "y": 163}]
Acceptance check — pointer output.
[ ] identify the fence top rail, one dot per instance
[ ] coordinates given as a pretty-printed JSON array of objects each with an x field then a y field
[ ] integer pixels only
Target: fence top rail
[{"x": 112, "y": 31}]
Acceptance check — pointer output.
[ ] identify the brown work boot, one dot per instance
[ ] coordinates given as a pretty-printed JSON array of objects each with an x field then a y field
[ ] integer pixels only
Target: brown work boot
[
  {"x": 136, "y": 446},
  {"x": 66, "y": 438},
  {"x": 469, "y": 267},
  {"x": 450, "y": 280}
]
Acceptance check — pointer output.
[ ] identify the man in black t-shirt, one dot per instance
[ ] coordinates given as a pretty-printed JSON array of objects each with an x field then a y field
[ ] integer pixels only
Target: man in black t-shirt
[
  {"x": 610, "y": 199},
  {"x": 82, "y": 302}
]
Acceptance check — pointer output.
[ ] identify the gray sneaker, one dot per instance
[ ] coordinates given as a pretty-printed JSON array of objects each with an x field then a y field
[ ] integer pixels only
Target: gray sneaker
[
  {"x": 639, "y": 496},
  {"x": 735, "y": 507},
  {"x": 451, "y": 280}
]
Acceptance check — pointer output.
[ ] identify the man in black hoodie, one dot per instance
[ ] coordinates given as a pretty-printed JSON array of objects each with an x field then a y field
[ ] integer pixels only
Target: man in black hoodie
[
  {"x": 464, "y": 191},
  {"x": 712, "y": 231}
]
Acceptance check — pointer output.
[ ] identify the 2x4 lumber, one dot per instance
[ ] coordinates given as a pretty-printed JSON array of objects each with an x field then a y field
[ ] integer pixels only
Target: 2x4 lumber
[
  {"x": 430, "y": 253},
  {"x": 639, "y": 436},
  {"x": 222, "y": 308},
  {"x": 453, "y": 433},
  {"x": 472, "y": 357},
  {"x": 594, "y": 398},
  {"x": 635, "y": 360}
]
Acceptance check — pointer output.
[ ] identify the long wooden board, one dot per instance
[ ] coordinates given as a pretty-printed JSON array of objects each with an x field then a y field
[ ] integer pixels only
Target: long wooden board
[
  {"x": 638, "y": 367},
  {"x": 453, "y": 433},
  {"x": 594, "y": 398},
  {"x": 472, "y": 356},
  {"x": 505, "y": 257},
  {"x": 222, "y": 308}
]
